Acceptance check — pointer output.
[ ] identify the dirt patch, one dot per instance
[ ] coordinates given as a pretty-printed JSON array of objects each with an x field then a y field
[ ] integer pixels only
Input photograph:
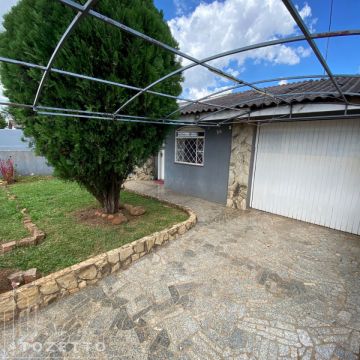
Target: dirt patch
[
  {"x": 4, "y": 282},
  {"x": 88, "y": 216}
]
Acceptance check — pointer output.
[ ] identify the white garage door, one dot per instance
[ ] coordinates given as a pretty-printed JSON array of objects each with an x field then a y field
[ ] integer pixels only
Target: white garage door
[{"x": 309, "y": 171}]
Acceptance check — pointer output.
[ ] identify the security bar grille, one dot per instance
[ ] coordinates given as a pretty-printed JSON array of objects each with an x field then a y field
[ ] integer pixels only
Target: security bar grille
[
  {"x": 189, "y": 147},
  {"x": 86, "y": 10}
]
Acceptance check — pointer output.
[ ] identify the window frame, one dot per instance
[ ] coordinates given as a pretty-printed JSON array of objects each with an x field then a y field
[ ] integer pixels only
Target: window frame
[{"x": 190, "y": 129}]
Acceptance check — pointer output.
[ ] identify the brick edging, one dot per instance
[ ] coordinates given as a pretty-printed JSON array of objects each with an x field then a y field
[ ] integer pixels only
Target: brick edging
[
  {"x": 36, "y": 235},
  {"x": 41, "y": 292}
]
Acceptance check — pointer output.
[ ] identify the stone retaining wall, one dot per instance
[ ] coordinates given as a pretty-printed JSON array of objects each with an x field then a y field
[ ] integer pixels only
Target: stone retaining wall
[{"x": 48, "y": 289}]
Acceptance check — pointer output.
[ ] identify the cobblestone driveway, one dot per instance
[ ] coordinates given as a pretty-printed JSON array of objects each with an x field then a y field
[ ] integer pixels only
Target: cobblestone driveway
[{"x": 240, "y": 285}]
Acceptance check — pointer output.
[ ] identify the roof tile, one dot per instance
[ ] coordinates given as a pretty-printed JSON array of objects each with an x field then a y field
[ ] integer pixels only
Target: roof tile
[{"x": 304, "y": 91}]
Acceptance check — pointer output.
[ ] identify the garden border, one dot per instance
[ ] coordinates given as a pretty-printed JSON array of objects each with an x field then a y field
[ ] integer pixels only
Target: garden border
[
  {"x": 36, "y": 235},
  {"x": 40, "y": 293}
]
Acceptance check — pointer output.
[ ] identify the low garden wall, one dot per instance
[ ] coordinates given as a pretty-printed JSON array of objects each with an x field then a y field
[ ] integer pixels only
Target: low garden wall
[
  {"x": 26, "y": 162},
  {"x": 41, "y": 292}
]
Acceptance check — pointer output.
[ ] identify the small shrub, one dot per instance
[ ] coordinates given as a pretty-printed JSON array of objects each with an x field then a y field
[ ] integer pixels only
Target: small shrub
[{"x": 7, "y": 170}]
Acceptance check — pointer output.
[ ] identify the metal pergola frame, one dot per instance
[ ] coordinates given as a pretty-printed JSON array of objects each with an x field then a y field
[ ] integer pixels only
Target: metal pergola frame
[{"x": 86, "y": 10}]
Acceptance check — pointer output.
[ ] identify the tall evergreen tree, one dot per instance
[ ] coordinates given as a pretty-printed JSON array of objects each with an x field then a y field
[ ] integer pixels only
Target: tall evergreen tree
[{"x": 98, "y": 154}]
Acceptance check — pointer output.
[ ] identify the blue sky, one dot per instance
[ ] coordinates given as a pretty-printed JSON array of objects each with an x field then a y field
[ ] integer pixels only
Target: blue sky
[
  {"x": 343, "y": 53},
  {"x": 203, "y": 28}
]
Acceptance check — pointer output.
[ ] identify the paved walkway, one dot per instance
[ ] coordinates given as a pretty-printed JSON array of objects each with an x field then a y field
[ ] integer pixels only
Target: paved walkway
[{"x": 240, "y": 285}]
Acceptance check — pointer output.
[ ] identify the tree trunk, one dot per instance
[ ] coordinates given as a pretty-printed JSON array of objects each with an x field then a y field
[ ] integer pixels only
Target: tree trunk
[{"x": 111, "y": 198}]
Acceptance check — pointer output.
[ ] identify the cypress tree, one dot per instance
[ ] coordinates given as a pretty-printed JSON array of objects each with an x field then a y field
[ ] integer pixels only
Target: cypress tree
[{"x": 98, "y": 154}]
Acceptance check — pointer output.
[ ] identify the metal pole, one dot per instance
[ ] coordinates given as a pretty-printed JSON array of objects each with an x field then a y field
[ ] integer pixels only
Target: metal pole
[
  {"x": 84, "y": 10},
  {"x": 95, "y": 115},
  {"x": 202, "y": 62},
  {"x": 213, "y": 57},
  {"x": 7, "y": 103},
  {"x": 181, "y": 108},
  {"x": 248, "y": 48},
  {"x": 168, "y": 48},
  {"x": 139, "y": 119},
  {"x": 301, "y": 24},
  {"x": 119, "y": 118},
  {"x": 106, "y": 82},
  {"x": 164, "y": 46}
]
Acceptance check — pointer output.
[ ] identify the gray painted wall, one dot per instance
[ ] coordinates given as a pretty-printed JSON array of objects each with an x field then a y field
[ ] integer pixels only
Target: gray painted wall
[
  {"x": 12, "y": 140},
  {"x": 210, "y": 181},
  {"x": 26, "y": 162}
]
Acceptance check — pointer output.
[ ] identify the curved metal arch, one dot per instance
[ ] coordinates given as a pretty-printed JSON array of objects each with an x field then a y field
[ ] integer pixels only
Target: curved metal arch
[
  {"x": 244, "y": 49},
  {"x": 75, "y": 113},
  {"x": 52, "y": 111},
  {"x": 198, "y": 101},
  {"x": 181, "y": 108},
  {"x": 164, "y": 46},
  {"x": 304, "y": 29},
  {"x": 263, "y": 81},
  {"x": 101, "y": 81},
  {"x": 84, "y": 11},
  {"x": 111, "y": 118}
]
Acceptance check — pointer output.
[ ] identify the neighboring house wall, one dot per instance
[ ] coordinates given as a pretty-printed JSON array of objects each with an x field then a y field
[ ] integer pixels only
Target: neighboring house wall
[
  {"x": 242, "y": 142},
  {"x": 26, "y": 162},
  {"x": 209, "y": 181}
]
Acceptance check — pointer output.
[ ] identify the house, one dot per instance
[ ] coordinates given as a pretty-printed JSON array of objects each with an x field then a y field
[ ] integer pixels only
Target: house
[{"x": 298, "y": 157}]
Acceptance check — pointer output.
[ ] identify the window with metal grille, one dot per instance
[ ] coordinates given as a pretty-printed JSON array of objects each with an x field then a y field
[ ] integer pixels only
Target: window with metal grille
[{"x": 189, "y": 145}]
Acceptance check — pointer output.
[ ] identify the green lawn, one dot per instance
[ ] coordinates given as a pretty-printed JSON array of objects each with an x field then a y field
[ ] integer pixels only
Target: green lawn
[
  {"x": 11, "y": 227},
  {"x": 52, "y": 203}
]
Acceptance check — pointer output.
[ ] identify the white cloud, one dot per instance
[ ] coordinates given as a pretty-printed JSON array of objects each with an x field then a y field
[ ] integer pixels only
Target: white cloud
[
  {"x": 232, "y": 71},
  {"x": 305, "y": 11},
  {"x": 282, "y": 82},
  {"x": 198, "y": 93},
  {"x": 224, "y": 25},
  {"x": 180, "y": 7},
  {"x": 183, "y": 7},
  {"x": 195, "y": 93}
]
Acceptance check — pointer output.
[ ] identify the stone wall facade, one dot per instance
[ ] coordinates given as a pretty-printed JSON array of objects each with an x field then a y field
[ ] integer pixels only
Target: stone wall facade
[
  {"x": 41, "y": 292},
  {"x": 240, "y": 165},
  {"x": 145, "y": 172}
]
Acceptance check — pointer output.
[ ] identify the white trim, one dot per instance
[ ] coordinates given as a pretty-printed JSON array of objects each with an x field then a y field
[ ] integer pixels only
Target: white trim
[
  {"x": 273, "y": 111},
  {"x": 190, "y": 129},
  {"x": 186, "y": 163},
  {"x": 257, "y": 133}
]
